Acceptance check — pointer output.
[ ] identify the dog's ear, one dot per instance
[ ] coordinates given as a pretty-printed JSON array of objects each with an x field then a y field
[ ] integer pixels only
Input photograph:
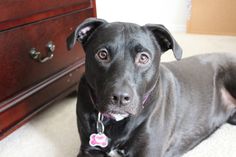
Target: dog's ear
[
  {"x": 165, "y": 39},
  {"x": 84, "y": 31}
]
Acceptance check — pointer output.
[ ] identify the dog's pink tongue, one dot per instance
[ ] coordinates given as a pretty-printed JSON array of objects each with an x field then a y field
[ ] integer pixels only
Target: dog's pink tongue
[
  {"x": 106, "y": 115},
  {"x": 115, "y": 116}
]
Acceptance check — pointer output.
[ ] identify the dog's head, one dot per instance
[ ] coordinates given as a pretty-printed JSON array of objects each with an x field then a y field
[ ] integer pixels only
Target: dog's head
[{"x": 122, "y": 62}]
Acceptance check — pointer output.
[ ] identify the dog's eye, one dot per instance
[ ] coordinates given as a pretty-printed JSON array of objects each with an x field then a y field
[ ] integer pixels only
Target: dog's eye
[
  {"x": 142, "y": 58},
  {"x": 103, "y": 55}
]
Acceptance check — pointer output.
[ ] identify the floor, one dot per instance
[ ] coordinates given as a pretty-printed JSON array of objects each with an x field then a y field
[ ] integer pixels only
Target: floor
[{"x": 53, "y": 132}]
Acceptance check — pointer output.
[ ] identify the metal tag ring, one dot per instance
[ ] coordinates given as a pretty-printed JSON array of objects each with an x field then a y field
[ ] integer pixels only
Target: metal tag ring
[{"x": 100, "y": 126}]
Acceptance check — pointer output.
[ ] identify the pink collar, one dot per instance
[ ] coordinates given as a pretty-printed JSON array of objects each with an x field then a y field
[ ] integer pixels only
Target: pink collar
[{"x": 146, "y": 95}]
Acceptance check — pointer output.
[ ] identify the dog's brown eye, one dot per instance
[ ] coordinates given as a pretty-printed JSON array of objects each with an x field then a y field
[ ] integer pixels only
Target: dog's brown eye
[
  {"x": 142, "y": 58},
  {"x": 102, "y": 55}
]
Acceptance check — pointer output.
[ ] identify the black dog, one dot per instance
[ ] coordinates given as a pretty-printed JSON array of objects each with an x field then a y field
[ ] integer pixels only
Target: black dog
[{"x": 130, "y": 105}]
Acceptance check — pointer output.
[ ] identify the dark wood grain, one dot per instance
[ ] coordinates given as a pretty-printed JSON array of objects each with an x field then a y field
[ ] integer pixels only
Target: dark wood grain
[
  {"x": 17, "y": 61},
  {"x": 22, "y": 20},
  {"x": 94, "y": 8},
  {"x": 27, "y": 86},
  {"x": 15, "y": 9},
  {"x": 61, "y": 84}
]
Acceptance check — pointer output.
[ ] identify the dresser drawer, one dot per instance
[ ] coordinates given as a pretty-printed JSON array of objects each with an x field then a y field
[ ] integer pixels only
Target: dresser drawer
[
  {"x": 18, "y": 69},
  {"x": 10, "y": 9},
  {"x": 59, "y": 85}
]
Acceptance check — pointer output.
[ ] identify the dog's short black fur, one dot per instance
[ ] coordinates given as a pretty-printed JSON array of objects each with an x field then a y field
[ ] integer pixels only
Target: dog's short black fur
[{"x": 150, "y": 109}]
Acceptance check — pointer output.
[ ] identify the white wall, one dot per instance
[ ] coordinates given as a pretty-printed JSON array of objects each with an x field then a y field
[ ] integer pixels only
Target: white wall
[{"x": 171, "y": 13}]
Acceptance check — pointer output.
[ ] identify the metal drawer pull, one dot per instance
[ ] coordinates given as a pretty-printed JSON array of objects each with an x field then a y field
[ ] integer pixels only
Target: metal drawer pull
[{"x": 38, "y": 56}]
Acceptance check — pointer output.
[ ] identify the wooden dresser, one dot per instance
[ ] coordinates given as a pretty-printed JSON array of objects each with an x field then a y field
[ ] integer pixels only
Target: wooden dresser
[{"x": 35, "y": 66}]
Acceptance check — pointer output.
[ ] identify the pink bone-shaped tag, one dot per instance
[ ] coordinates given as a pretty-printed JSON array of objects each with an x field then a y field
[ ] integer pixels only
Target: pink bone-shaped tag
[{"x": 99, "y": 139}]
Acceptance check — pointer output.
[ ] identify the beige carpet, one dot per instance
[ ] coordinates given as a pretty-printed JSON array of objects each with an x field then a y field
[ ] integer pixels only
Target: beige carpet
[{"x": 53, "y": 132}]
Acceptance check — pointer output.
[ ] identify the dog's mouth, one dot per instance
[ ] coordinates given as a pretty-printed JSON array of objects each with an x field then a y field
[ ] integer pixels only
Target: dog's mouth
[{"x": 117, "y": 116}]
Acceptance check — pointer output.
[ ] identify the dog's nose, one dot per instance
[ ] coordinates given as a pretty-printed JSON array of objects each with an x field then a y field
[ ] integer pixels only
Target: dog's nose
[{"x": 121, "y": 98}]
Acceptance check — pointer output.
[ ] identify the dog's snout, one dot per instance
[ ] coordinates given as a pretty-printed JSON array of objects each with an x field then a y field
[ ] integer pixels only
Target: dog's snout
[{"x": 121, "y": 98}]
